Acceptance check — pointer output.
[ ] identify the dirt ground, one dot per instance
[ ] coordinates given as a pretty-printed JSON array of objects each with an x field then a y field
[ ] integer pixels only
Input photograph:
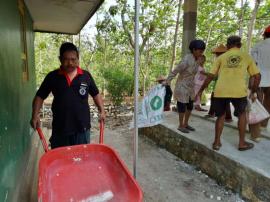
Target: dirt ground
[{"x": 161, "y": 175}]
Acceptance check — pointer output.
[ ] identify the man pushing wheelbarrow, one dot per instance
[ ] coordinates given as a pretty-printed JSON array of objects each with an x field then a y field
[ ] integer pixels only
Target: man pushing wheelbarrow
[
  {"x": 70, "y": 86},
  {"x": 77, "y": 171}
]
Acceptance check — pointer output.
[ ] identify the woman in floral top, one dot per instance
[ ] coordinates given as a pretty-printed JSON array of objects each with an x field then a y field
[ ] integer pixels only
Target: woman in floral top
[{"x": 184, "y": 87}]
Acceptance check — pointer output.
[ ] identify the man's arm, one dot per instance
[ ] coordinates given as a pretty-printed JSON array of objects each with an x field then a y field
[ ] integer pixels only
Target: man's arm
[
  {"x": 99, "y": 103},
  {"x": 36, "y": 106},
  {"x": 210, "y": 76},
  {"x": 255, "y": 84},
  {"x": 208, "y": 79},
  {"x": 179, "y": 67},
  {"x": 41, "y": 95}
]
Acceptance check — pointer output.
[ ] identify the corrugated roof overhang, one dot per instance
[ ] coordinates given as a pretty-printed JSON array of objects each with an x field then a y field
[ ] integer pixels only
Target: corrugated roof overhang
[{"x": 61, "y": 16}]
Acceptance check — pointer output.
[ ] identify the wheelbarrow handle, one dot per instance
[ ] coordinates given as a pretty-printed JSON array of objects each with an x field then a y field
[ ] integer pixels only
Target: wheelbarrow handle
[
  {"x": 101, "y": 132},
  {"x": 42, "y": 138},
  {"x": 45, "y": 145}
]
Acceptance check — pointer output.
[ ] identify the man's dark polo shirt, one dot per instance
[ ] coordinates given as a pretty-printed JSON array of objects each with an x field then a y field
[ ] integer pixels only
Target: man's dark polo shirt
[{"x": 71, "y": 113}]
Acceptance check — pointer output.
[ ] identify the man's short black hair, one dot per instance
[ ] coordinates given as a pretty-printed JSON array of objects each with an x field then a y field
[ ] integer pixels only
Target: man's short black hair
[
  {"x": 234, "y": 41},
  {"x": 67, "y": 46},
  {"x": 196, "y": 44}
]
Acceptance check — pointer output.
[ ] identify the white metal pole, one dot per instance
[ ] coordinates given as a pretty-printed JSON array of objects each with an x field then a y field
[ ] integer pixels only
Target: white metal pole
[{"x": 136, "y": 86}]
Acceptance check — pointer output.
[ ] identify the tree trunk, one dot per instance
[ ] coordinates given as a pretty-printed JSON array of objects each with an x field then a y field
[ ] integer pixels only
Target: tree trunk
[
  {"x": 209, "y": 35},
  {"x": 147, "y": 67},
  {"x": 143, "y": 76},
  {"x": 175, "y": 35},
  {"x": 165, "y": 56},
  {"x": 241, "y": 19},
  {"x": 252, "y": 24},
  {"x": 144, "y": 86},
  {"x": 105, "y": 64}
]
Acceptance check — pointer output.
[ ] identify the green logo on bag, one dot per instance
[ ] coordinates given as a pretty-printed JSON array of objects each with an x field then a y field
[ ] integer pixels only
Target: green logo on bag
[{"x": 156, "y": 103}]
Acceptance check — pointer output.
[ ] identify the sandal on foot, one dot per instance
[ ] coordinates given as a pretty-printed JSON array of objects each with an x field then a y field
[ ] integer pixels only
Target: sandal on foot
[
  {"x": 216, "y": 146},
  {"x": 256, "y": 139},
  {"x": 248, "y": 146},
  {"x": 183, "y": 130},
  {"x": 190, "y": 128}
]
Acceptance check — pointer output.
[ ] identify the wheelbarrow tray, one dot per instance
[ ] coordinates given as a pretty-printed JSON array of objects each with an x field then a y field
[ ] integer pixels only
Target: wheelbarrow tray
[{"x": 85, "y": 173}]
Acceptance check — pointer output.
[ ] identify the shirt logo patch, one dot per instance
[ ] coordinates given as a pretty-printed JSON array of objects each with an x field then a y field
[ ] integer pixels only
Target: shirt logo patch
[
  {"x": 233, "y": 61},
  {"x": 82, "y": 90}
]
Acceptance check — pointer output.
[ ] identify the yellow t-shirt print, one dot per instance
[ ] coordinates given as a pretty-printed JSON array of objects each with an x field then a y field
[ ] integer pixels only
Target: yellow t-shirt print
[{"x": 234, "y": 61}]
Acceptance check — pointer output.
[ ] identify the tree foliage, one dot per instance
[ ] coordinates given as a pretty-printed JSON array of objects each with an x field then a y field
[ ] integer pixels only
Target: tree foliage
[{"x": 108, "y": 54}]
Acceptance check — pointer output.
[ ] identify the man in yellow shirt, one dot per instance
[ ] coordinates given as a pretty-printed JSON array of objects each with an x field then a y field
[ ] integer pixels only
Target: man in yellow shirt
[{"x": 232, "y": 69}]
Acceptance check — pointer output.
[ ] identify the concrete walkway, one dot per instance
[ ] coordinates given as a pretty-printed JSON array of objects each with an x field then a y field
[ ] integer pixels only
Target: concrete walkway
[
  {"x": 257, "y": 158},
  {"x": 265, "y": 132},
  {"x": 246, "y": 172}
]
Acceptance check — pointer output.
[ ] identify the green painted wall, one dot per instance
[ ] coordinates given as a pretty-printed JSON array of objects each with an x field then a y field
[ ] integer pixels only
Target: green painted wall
[{"x": 15, "y": 97}]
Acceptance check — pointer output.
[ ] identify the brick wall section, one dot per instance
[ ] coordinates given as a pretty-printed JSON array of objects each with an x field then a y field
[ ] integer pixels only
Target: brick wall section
[{"x": 249, "y": 184}]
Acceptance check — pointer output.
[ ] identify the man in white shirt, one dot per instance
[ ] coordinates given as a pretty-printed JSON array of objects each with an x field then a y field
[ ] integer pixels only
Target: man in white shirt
[{"x": 261, "y": 54}]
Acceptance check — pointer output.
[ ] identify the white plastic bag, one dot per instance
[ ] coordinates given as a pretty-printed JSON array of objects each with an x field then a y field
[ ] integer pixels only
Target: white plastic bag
[
  {"x": 257, "y": 112},
  {"x": 150, "y": 110}
]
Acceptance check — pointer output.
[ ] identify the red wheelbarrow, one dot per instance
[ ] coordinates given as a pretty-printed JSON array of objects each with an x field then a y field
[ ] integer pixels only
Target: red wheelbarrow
[{"x": 85, "y": 173}]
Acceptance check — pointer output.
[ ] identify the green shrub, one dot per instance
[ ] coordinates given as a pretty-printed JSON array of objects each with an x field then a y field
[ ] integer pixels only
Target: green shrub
[{"x": 119, "y": 83}]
